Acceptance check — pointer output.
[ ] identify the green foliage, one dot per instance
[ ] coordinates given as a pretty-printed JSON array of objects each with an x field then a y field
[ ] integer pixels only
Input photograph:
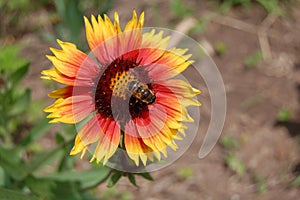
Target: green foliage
[
  {"x": 11, "y": 62},
  {"x": 114, "y": 178},
  {"x": 260, "y": 183},
  {"x": 220, "y": 48},
  {"x": 147, "y": 176},
  {"x": 18, "y": 173},
  {"x": 15, "y": 4},
  {"x": 235, "y": 164},
  {"x": 179, "y": 9},
  {"x": 12, "y": 164},
  {"x": 131, "y": 178},
  {"x": 229, "y": 143},
  {"x": 232, "y": 161},
  {"x": 67, "y": 185},
  {"x": 226, "y": 5},
  {"x": 102, "y": 6},
  {"x": 6, "y": 194},
  {"x": 271, "y": 6},
  {"x": 114, "y": 193},
  {"x": 87, "y": 178},
  {"x": 284, "y": 115},
  {"x": 12, "y": 12},
  {"x": 200, "y": 27},
  {"x": 116, "y": 175},
  {"x": 42, "y": 159},
  {"x": 71, "y": 20},
  {"x": 14, "y": 99},
  {"x": 69, "y": 14},
  {"x": 253, "y": 60},
  {"x": 296, "y": 182},
  {"x": 185, "y": 172}
]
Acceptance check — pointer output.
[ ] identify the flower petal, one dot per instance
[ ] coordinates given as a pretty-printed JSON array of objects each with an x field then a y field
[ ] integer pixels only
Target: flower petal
[
  {"x": 155, "y": 41},
  {"x": 170, "y": 63},
  {"x": 89, "y": 133},
  {"x": 70, "y": 110},
  {"x": 172, "y": 103},
  {"x": 101, "y": 29},
  {"x": 55, "y": 75},
  {"x": 154, "y": 130},
  {"x": 64, "y": 92},
  {"x": 135, "y": 23},
  {"x": 108, "y": 42},
  {"x": 178, "y": 87},
  {"x": 69, "y": 91},
  {"x": 109, "y": 143},
  {"x": 135, "y": 147},
  {"x": 69, "y": 60}
]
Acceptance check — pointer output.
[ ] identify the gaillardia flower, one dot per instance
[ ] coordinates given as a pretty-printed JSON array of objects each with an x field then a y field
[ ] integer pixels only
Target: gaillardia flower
[{"x": 125, "y": 90}]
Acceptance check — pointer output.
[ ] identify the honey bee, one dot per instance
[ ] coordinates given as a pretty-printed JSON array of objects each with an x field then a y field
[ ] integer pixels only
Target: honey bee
[{"x": 142, "y": 92}]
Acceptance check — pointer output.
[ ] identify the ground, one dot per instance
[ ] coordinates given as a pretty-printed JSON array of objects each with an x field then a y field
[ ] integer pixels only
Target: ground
[{"x": 255, "y": 95}]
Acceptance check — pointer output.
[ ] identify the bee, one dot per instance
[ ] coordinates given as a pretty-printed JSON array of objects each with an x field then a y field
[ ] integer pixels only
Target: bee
[{"x": 142, "y": 92}]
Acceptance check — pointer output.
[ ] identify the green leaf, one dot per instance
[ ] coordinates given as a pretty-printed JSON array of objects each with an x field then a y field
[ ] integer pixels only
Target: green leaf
[
  {"x": 66, "y": 162},
  {"x": 2, "y": 177},
  {"x": 74, "y": 19},
  {"x": 17, "y": 76},
  {"x": 21, "y": 4},
  {"x": 229, "y": 143},
  {"x": 9, "y": 59},
  {"x": 179, "y": 9},
  {"x": 200, "y": 27},
  {"x": 60, "y": 7},
  {"x": 253, "y": 60},
  {"x": 44, "y": 158},
  {"x": 228, "y": 4},
  {"x": 71, "y": 16},
  {"x": 12, "y": 164},
  {"x": 284, "y": 115},
  {"x": 86, "y": 178},
  {"x": 114, "y": 193},
  {"x": 6, "y": 194},
  {"x": 260, "y": 183},
  {"x": 114, "y": 178},
  {"x": 35, "y": 132},
  {"x": 220, "y": 48},
  {"x": 54, "y": 190},
  {"x": 184, "y": 172},
  {"x": 147, "y": 176},
  {"x": 34, "y": 111},
  {"x": 59, "y": 139},
  {"x": 21, "y": 104},
  {"x": 296, "y": 182},
  {"x": 131, "y": 178},
  {"x": 271, "y": 6},
  {"x": 235, "y": 164}
]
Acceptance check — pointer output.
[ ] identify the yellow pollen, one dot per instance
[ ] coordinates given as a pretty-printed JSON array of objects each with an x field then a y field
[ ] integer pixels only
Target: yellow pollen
[{"x": 119, "y": 84}]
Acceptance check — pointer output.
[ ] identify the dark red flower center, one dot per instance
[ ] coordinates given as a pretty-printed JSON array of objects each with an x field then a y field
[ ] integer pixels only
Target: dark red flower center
[{"x": 114, "y": 96}]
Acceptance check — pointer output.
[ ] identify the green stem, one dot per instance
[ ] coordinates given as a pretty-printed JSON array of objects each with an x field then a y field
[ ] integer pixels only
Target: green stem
[
  {"x": 7, "y": 139},
  {"x": 5, "y": 133},
  {"x": 62, "y": 164},
  {"x": 7, "y": 99}
]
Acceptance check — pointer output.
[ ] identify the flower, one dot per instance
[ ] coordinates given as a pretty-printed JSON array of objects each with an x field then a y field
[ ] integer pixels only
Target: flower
[{"x": 125, "y": 89}]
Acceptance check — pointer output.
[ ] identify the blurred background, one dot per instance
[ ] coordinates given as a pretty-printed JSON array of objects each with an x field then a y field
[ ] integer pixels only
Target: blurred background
[{"x": 256, "y": 46}]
